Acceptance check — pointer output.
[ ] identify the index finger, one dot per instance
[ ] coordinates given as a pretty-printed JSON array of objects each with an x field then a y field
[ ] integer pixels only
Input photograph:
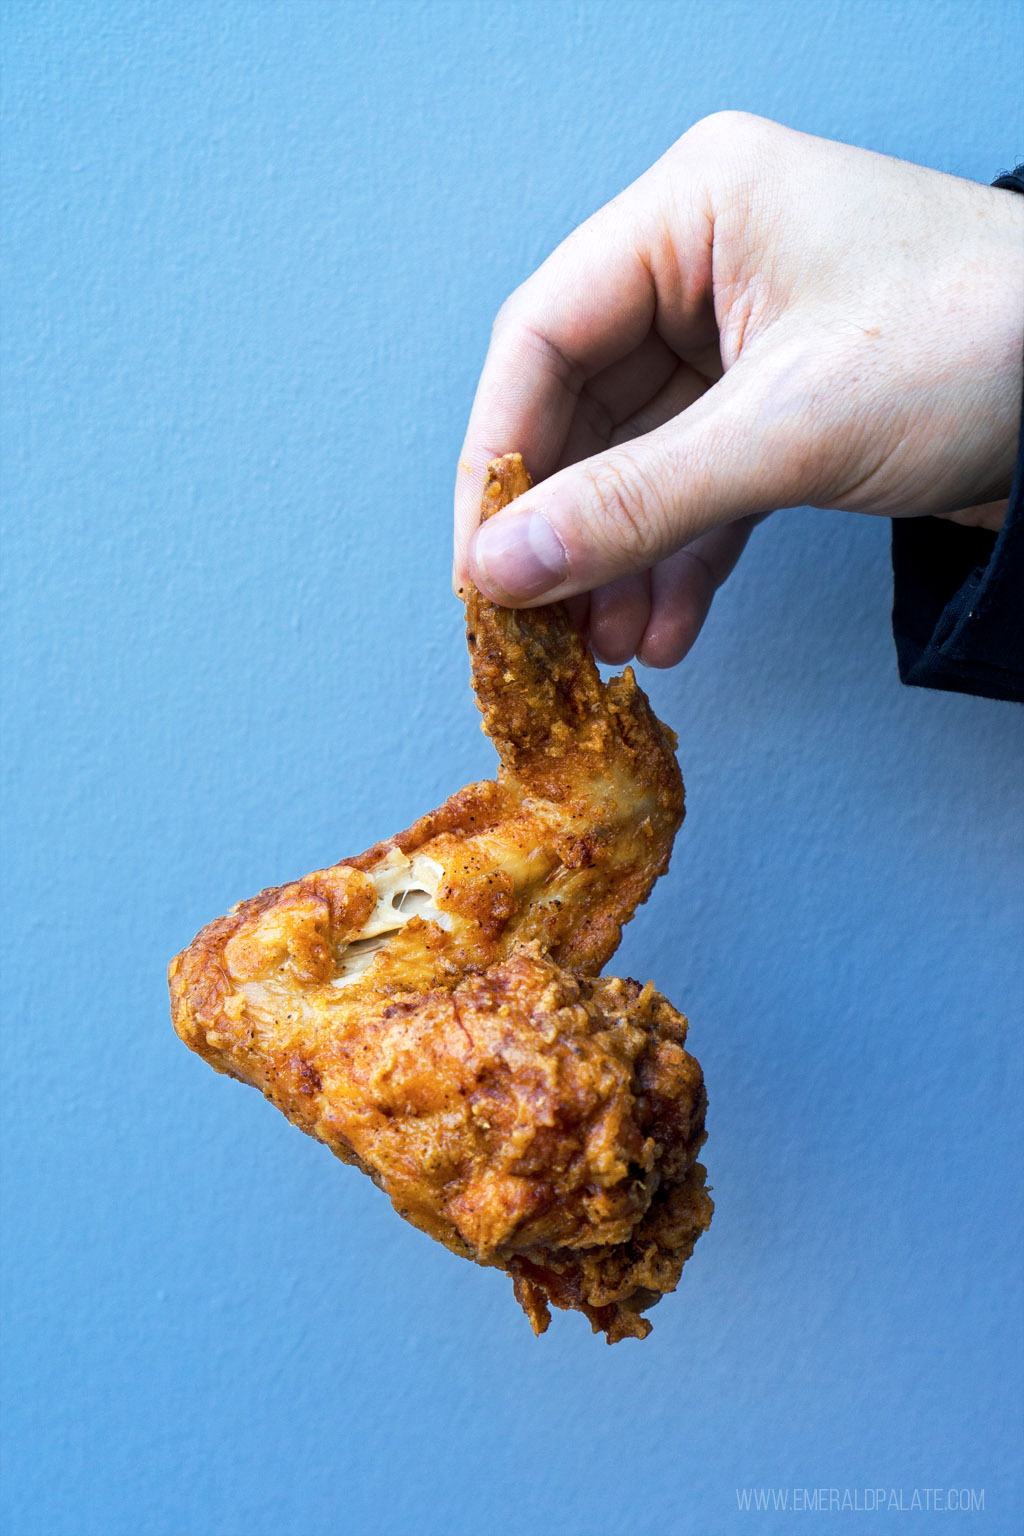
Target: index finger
[{"x": 590, "y": 303}]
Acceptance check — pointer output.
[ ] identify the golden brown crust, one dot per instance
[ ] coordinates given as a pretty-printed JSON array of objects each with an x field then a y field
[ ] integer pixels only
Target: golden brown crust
[
  {"x": 535, "y": 1120},
  {"x": 517, "y": 1107}
]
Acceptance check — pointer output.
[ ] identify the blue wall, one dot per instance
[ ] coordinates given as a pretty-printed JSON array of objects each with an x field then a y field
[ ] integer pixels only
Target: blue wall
[{"x": 253, "y": 255}]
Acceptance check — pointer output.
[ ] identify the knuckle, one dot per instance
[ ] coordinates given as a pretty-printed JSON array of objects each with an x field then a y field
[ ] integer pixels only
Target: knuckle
[
  {"x": 741, "y": 141},
  {"x": 521, "y": 333},
  {"x": 507, "y": 314},
  {"x": 729, "y": 127},
  {"x": 625, "y": 507}
]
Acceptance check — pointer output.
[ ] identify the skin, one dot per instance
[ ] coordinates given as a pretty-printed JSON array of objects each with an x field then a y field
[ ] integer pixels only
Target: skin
[{"x": 764, "y": 319}]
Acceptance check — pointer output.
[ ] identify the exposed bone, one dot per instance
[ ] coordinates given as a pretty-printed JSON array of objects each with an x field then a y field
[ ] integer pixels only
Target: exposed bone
[{"x": 405, "y": 888}]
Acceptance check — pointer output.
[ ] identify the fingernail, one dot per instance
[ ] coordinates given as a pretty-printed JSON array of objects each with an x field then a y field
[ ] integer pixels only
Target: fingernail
[{"x": 520, "y": 556}]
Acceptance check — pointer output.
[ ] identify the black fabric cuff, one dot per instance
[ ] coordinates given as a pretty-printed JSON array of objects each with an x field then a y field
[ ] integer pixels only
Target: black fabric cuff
[
  {"x": 958, "y": 602},
  {"x": 958, "y": 593},
  {"x": 1012, "y": 181}
]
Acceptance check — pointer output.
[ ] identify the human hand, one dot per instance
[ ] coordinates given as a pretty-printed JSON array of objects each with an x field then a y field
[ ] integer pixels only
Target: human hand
[{"x": 762, "y": 320}]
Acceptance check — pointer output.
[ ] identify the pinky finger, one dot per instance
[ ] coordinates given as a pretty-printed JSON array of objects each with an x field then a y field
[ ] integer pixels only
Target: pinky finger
[{"x": 682, "y": 589}]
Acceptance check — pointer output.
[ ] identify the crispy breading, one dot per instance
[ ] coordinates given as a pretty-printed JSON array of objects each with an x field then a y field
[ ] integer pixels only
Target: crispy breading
[{"x": 431, "y": 1010}]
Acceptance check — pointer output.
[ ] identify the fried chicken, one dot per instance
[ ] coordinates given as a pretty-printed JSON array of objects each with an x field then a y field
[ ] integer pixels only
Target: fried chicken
[{"x": 431, "y": 1009}]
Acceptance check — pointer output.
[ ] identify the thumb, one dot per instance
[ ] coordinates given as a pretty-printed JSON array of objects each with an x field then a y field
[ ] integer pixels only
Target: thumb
[{"x": 726, "y": 456}]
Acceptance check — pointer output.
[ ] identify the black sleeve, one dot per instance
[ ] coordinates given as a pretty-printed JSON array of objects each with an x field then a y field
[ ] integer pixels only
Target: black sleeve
[{"x": 958, "y": 593}]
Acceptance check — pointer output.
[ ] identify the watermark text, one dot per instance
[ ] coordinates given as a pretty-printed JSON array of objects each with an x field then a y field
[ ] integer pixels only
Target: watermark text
[{"x": 805, "y": 1501}]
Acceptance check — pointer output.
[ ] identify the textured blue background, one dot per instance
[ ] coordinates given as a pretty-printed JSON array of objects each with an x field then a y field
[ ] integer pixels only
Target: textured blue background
[{"x": 253, "y": 253}]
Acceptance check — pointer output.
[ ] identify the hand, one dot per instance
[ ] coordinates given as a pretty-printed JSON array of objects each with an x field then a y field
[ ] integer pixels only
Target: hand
[{"x": 762, "y": 320}]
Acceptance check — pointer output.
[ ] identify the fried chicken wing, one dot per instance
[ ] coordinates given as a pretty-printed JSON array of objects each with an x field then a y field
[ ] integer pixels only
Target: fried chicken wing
[{"x": 431, "y": 1009}]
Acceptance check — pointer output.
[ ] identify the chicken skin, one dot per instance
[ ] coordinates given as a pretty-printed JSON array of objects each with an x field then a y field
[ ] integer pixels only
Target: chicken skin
[{"x": 432, "y": 1011}]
